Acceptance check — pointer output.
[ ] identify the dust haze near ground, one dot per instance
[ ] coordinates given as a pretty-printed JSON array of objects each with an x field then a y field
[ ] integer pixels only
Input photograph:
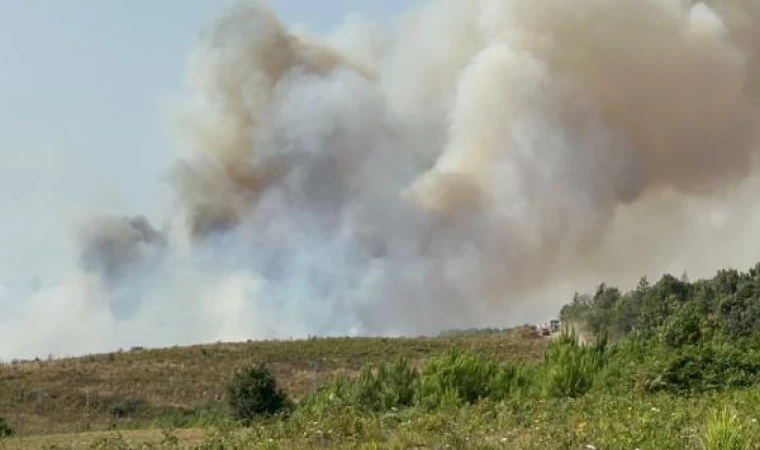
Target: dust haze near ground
[{"x": 472, "y": 165}]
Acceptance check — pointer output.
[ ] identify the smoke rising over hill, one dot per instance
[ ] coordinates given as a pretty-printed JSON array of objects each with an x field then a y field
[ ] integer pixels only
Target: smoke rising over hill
[{"x": 460, "y": 168}]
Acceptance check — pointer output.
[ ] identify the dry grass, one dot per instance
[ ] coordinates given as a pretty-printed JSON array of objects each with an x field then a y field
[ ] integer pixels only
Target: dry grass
[
  {"x": 188, "y": 437},
  {"x": 134, "y": 388}
]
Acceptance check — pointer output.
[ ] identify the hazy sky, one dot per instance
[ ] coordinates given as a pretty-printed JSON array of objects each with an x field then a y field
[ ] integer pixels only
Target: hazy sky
[{"x": 81, "y": 89}]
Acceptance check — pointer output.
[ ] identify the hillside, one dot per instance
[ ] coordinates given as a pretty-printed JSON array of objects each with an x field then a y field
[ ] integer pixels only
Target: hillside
[
  {"x": 669, "y": 365},
  {"x": 181, "y": 385}
]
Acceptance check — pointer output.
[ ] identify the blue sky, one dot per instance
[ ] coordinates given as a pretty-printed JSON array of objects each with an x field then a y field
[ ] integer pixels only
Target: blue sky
[{"x": 81, "y": 88}]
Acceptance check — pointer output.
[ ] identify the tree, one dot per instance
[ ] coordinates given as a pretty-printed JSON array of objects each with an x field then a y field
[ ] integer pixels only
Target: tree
[{"x": 684, "y": 328}]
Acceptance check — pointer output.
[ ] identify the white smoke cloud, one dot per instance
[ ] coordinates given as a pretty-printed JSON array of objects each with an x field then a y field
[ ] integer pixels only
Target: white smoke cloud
[{"x": 471, "y": 165}]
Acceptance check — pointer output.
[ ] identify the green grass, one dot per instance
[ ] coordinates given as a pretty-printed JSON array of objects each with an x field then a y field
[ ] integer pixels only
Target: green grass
[
  {"x": 657, "y": 422},
  {"x": 726, "y": 431}
]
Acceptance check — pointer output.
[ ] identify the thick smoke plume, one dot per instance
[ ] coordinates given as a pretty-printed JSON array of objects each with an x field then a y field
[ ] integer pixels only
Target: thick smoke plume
[{"x": 470, "y": 165}]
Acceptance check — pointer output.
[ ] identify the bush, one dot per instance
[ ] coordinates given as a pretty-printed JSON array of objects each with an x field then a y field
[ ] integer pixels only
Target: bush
[
  {"x": 253, "y": 392},
  {"x": 726, "y": 432},
  {"x": 621, "y": 370},
  {"x": 684, "y": 328},
  {"x": 329, "y": 397},
  {"x": 512, "y": 379},
  {"x": 450, "y": 379},
  {"x": 377, "y": 388},
  {"x": 5, "y": 428},
  {"x": 386, "y": 386},
  {"x": 123, "y": 408},
  {"x": 569, "y": 367},
  {"x": 707, "y": 367},
  {"x": 456, "y": 377}
]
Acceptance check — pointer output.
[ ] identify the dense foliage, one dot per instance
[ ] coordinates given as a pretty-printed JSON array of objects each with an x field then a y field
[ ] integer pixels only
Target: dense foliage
[
  {"x": 252, "y": 392},
  {"x": 699, "y": 336},
  {"x": 682, "y": 312}
]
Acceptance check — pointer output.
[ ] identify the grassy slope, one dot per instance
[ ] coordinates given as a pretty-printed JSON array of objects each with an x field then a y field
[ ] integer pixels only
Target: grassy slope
[
  {"x": 133, "y": 389},
  {"x": 50, "y": 412}
]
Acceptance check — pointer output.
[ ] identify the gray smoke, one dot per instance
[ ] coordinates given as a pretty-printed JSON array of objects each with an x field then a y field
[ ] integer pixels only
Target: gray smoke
[
  {"x": 112, "y": 245},
  {"x": 472, "y": 165}
]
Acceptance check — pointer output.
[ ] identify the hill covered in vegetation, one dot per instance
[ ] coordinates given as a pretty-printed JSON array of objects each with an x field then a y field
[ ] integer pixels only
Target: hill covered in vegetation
[
  {"x": 185, "y": 386},
  {"x": 671, "y": 365}
]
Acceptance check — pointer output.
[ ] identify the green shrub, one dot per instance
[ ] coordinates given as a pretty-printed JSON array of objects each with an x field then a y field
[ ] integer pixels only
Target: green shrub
[
  {"x": 326, "y": 398},
  {"x": 455, "y": 377},
  {"x": 450, "y": 379},
  {"x": 5, "y": 428},
  {"x": 253, "y": 392},
  {"x": 512, "y": 379},
  {"x": 377, "y": 388},
  {"x": 385, "y": 386},
  {"x": 569, "y": 368},
  {"x": 620, "y": 372},
  {"x": 726, "y": 432},
  {"x": 684, "y": 328},
  {"x": 706, "y": 367}
]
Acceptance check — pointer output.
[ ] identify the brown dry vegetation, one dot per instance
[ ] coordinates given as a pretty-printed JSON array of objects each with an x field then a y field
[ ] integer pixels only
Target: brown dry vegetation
[
  {"x": 188, "y": 437},
  {"x": 136, "y": 388}
]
